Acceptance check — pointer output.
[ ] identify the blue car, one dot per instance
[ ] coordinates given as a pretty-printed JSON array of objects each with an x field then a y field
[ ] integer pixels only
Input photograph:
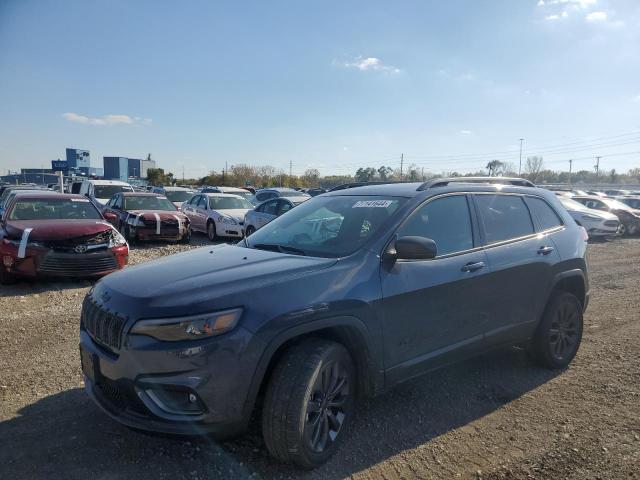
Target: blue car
[{"x": 345, "y": 296}]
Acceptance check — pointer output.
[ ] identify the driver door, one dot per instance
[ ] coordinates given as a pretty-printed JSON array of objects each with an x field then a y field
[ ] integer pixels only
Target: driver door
[{"x": 435, "y": 310}]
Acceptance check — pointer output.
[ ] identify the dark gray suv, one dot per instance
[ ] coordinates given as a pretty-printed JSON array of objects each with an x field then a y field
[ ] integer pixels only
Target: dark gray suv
[{"x": 344, "y": 296}]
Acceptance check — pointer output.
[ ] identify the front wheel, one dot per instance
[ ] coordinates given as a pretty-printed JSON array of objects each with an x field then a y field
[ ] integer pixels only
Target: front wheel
[
  {"x": 211, "y": 231},
  {"x": 309, "y": 403},
  {"x": 559, "y": 334}
]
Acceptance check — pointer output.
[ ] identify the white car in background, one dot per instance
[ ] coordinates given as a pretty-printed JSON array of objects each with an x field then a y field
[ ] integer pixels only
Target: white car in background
[
  {"x": 217, "y": 214},
  {"x": 268, "y": 210},
  {"x": 101, "y": 191},
  {"x": 597, "y": 223},
  {"x": 177, "y": 195},
  {"x": 241, "y": 192}
]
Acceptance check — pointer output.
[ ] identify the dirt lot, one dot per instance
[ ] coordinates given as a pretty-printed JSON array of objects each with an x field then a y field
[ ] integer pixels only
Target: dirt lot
[{"x": 498, "y": 417}]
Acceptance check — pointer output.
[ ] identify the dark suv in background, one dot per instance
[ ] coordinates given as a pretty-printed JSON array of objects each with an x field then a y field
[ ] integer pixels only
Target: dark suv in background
[{"x": 344, "y": 296}]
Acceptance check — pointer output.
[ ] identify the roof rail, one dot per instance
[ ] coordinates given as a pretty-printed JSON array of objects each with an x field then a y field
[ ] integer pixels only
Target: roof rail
[
  {"x": 443, "y": 182},
  {"x": 344, "y": 186}
]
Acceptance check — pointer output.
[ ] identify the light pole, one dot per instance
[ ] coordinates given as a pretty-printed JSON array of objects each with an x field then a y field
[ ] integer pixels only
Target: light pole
[{"x": 520, "y": 167}]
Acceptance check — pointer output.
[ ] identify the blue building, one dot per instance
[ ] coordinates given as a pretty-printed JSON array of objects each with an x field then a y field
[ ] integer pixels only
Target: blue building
[
  {"x": 116, "y": 168},
  {"x": 79, "y": 162},
  {"x": 134, "y": 167}
]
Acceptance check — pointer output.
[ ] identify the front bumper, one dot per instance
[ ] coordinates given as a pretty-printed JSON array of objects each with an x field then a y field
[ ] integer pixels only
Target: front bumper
[
  {"x": 143, "y": 234},
  {"x": 143, "y": 383},
  {"x": 224, "y": 230}
]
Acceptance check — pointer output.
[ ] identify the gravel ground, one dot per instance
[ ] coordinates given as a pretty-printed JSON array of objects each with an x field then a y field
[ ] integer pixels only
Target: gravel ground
[{"x": 497, "y": 417}]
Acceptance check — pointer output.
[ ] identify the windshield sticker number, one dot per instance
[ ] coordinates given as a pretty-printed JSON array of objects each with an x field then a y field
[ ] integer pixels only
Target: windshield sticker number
[
  {"x": 372, "y": 204},
  {"x": 83, "y": 200}
]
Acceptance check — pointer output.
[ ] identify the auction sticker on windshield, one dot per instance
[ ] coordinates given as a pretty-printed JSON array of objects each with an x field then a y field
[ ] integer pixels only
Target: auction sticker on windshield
[{"x": 372, "y": 204}]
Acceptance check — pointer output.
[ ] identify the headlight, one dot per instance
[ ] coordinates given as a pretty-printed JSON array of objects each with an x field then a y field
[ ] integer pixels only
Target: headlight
[
  {"x": 189, "y": 328},
  {"x": 116, "y": 240},
  {"x": 227, "y": 220},
  {"x": 588, "y": 216},
  {"x": 135, "y": 221}
]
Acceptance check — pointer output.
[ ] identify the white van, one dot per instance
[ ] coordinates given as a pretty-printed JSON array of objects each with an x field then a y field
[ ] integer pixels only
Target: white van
[{"x": 100, "y": 191}]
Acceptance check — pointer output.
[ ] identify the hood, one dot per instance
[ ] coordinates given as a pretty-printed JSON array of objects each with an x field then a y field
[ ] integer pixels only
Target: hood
[
  {"x": 163, "y": 214},
  {"x": 236, "y": 213},
  {"x": 48, "y": 230},
  {"x": 188, "y": 281}
]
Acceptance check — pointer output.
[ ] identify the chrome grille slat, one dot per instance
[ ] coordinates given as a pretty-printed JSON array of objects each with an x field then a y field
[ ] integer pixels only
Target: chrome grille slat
[{"x": 103, "y": 326}]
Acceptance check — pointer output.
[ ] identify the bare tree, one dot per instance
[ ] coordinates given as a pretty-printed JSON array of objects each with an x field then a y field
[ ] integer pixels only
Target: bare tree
[{"x": 533, "y": 167}]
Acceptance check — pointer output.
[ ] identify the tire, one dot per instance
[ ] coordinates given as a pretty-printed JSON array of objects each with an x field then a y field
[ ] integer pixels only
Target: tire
[
  {"x": 129, "y": 236},
  {"x": 7, "y": 278},
  {"x": 186, "y": 238},
  {"x": 623, "y": 230},
  {"x": 250, "y": 231},
  {"x": 211, "y": 231},
  {"x": 559, "y": 334},
  {"x": 303, "y": 423}
]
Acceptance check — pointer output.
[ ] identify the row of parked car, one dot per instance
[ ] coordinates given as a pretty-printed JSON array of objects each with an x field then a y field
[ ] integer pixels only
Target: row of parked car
[{"x": 43, "y": 232}]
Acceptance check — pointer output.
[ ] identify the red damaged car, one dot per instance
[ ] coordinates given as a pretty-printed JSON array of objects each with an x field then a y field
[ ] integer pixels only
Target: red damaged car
[
  {"x": 147, "y": 216},
  {"x": 58, "y": 235}
]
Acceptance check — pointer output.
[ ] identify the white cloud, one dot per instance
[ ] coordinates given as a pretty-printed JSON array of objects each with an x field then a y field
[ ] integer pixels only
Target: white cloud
[
  {"x": 370, "y": 64},
  {"x": 576, "y": 3},
  {"x": 596, "y": 17},
  {"x": 110, "y": 119},
  {"x": 556, "y": 16},
  {"x": 466, "y": 132},
  {"x": 636, "y": 98}
]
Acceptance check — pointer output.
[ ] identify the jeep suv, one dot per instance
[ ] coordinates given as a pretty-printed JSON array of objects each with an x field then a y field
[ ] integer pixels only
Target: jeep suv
[{"x": 346, "y": 296}]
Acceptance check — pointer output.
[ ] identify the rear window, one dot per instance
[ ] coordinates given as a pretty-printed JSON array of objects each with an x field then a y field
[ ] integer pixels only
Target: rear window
[
  {"x": 58, "y": 209},
  {"x": 108, "y": 191},
  {"x": 504, "y": 217},
  {"x": 547, "y": 217}
]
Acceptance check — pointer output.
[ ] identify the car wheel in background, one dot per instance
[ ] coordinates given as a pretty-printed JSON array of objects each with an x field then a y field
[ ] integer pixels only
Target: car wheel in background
[
  {"x": 309, "y": 402},
  {"x": 186, "y": 238},
  {"x": 559, "y": 334},
  {"x": 250, "y": 230},
  {"x": 130, "y": 237},
  {"x": 211, "y": 231}
]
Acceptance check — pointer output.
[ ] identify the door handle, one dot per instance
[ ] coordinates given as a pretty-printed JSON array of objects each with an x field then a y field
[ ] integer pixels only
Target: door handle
[
  {"x": 472, "y": 266},
  {"x": 546, "y": 250}
]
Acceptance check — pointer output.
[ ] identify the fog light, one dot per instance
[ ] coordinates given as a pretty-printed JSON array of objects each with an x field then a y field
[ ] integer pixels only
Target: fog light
[
  {"x": 192, "y": 398},
  {"x": 7, "y": 260}
]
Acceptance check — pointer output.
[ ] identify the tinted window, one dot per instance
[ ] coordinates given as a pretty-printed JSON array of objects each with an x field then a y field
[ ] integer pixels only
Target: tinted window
[
  {"x": 504, "y": 217},
  {"x": 284, "y": 206},
  {"x": 54, "y": 209},
  {"x": 228, "y": 203},
  {"x": 117, "y": 201},
  {"x": 148, "y": 203},
  {"x": 270, "y": 208},
  {"x": 545, "y": 214},
  {"x": 446, "y": 221},
  {"x": 108, "y": 191},
  {"x": 202, "y": 203}
]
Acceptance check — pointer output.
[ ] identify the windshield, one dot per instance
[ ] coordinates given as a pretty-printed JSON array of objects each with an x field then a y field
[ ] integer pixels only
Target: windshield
[
  {"x": 179, "y": 195},
  {"x": 293, "y": 193},
  {"x": 228, "y": 203},
  {"x": 615, "y": 204},
  {"x": 245, "y": 195},
  {"x": 54, "y": 209},
  {"x": 572, "y": 204},
  {"x": 327, "y": 226},
  {"x": 632, "y": 202},
  {"x": 108, "y": 191},
  {"x": 148, "y": 203}
]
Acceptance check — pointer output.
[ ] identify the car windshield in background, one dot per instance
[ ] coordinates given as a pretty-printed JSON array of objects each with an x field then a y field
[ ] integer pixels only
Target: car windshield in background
[
  {"x": 330, "y": 227},
  {"x": 54, "y": 209},
  {"x": 245, "y": 195},
  {"x": 615, "y": 204},
  {"x": 228, "y": 203},
  {"x": 108, "y": 191},
  {"x": 572, "y": 204},
  {"x": 293, "y": 193},
  {"x": 179, "y": 195},
  {"x": 148, "y": 203}
]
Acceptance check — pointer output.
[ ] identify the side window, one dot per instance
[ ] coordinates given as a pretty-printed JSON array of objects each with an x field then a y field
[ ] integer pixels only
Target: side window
[
  {"x": 446, "y": 221},
  {"x": 110, "y": 203},
  {"x": 261, "y": 197},
  {"x": 547, "y": 217},
  {"x": 117, "y": 201},
  {"x": 202, "y": 203},
  {"x": 283, "y": 206},
  {"x": 504, "y": 217},
  {"x": 194, "y": 200},
  {"x": 271, "y": 207}
]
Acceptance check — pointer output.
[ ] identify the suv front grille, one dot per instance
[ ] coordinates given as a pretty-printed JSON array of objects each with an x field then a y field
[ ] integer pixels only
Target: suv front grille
[{"x": 104, "y": 327}]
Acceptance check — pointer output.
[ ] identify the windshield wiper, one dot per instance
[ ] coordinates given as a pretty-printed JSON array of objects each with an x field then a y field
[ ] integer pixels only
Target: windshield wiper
[{"x": 278, "y": 248}]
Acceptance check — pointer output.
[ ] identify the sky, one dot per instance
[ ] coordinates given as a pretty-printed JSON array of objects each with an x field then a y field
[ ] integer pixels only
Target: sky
[{"x": 331, "y": 85}]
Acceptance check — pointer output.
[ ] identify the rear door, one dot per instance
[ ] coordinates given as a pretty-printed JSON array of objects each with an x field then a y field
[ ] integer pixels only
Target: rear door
[
  {"x": 435, "y": 310},
  {"x": 520, "y": 261}
]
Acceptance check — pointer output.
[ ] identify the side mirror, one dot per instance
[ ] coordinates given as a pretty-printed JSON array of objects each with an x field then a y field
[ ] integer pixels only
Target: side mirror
[
  {"x": 415, "y": 248},
  {"x": 110, "y": 217}
]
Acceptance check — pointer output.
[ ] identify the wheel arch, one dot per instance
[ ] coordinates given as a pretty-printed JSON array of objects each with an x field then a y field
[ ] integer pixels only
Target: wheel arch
[
  {"x": 574, "y": 282},
  {"x": 348, "y": 331}
]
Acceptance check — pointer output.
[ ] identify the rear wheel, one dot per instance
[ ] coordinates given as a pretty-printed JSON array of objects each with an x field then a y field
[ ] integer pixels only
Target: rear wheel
[
  {"x": 559, "y": 334},
  {"x": 309, "y": 403},
  {"x": 250, "y": 230},
  {"x": 211, "y": 231}
]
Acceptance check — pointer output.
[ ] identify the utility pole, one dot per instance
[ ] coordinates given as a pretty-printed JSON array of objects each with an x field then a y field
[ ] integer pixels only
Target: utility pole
[
  {"x": 423, "y": 174},
  {"x": 597, "y": 167},
  {"x": 290, "y": 171},
  {"x": 183, "y": 173},
  {"x": 570, "y": 169},
  {"x": 520, "y": 167},
  {"x": 401, "y": 164}
]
